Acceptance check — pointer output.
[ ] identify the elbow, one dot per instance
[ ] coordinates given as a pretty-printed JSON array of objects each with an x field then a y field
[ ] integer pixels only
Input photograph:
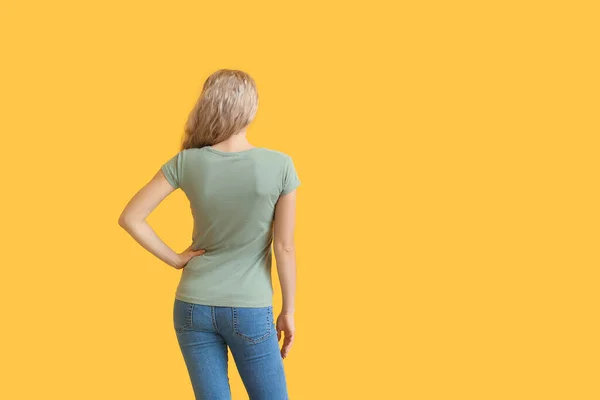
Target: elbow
[
  {"x": 124, "y": 221},
  {"x": 284, "y": 248},
  {"x": 129, "y": 222}
]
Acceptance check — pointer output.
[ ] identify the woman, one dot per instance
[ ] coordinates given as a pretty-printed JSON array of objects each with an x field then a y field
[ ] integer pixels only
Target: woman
[{"x": 243, "y": 198}]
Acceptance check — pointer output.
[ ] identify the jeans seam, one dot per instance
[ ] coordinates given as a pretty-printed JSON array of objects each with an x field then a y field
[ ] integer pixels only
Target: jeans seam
[{"x": 214, "y": 318}]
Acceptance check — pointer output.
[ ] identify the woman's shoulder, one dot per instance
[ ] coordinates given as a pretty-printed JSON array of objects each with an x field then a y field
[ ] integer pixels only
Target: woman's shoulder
[
  {"x": 273, "y": 154},
  {"x": 193, "y": 150}
]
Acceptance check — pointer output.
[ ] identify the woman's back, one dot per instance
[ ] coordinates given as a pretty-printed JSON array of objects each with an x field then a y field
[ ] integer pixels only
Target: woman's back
[
  {"x": 242, "y": 198},
  {"x": 232, "y": 198}
]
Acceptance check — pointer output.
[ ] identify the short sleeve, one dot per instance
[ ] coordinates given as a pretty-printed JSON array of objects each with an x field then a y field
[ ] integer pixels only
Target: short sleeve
[
  {"x": 290, "y": 177},
  {"x": 172, "y": 170}
]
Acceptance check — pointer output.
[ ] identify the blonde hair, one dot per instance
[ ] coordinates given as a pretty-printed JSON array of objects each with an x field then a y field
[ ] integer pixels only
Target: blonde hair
[{"x": 227, "y": 104}]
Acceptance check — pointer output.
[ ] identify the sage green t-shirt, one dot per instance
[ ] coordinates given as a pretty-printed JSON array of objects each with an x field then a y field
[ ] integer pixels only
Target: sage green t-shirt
[{"x": 232, "y": 199}]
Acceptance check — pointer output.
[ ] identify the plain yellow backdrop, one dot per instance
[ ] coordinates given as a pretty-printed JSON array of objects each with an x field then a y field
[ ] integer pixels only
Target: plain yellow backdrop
[{"x": 448, "y": 224}]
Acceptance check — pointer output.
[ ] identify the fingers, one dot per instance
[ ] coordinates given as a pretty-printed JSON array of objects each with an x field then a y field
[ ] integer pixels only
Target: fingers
[
  {"x": 287, "y": 344},
  {"x": 198, "y": 252},
  {"x": 278, "y": 335}
]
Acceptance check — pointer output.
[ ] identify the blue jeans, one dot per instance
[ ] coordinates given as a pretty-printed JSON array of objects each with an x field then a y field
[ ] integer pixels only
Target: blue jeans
[{"x": 204, "y": 332}]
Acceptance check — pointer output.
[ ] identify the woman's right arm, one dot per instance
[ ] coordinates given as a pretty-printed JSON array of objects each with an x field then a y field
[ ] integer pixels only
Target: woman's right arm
[{"x": 285, "y": 256}]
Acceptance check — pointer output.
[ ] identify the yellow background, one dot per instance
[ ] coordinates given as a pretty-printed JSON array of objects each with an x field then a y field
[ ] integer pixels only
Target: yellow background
[{"x": 448, "y": 225}]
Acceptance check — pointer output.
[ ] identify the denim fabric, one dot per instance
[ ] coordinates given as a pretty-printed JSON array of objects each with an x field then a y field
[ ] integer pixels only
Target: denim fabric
[{"x": 204, "y": 332}]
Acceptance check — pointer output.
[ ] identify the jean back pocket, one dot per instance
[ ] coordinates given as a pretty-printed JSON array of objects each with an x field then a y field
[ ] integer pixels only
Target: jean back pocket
[
  {"x": 253, "y": 324},
  {"x": 182, "y": 315}
]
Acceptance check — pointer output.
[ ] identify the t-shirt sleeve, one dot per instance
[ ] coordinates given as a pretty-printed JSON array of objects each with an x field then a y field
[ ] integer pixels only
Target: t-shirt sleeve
[
  {"x": 290, "y": 177},
  {"x": 172, "y": 170}
]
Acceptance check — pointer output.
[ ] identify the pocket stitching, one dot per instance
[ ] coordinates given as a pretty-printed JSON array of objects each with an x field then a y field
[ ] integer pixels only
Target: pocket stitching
[
  {"x": 187, "y": 323},
  {"x": 251, "y": 340}
]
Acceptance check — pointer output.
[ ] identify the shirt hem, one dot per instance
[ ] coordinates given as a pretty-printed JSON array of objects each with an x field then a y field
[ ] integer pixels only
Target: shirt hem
[
  {"x": 168, "y": 177},
  {"x": 222, "y": 303},
  {"x": 290, "y": 188}
]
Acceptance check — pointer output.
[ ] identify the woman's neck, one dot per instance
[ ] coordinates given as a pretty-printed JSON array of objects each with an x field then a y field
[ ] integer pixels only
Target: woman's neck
[{"x": 237, "y": 142}]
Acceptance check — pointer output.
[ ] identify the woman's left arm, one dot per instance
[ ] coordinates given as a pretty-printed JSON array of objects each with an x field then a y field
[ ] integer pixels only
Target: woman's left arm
[{"x": 133, "y": 220}]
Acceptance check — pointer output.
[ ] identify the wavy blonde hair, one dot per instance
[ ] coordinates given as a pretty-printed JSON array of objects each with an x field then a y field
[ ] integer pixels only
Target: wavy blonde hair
[{"x": 227, "y": 104}]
